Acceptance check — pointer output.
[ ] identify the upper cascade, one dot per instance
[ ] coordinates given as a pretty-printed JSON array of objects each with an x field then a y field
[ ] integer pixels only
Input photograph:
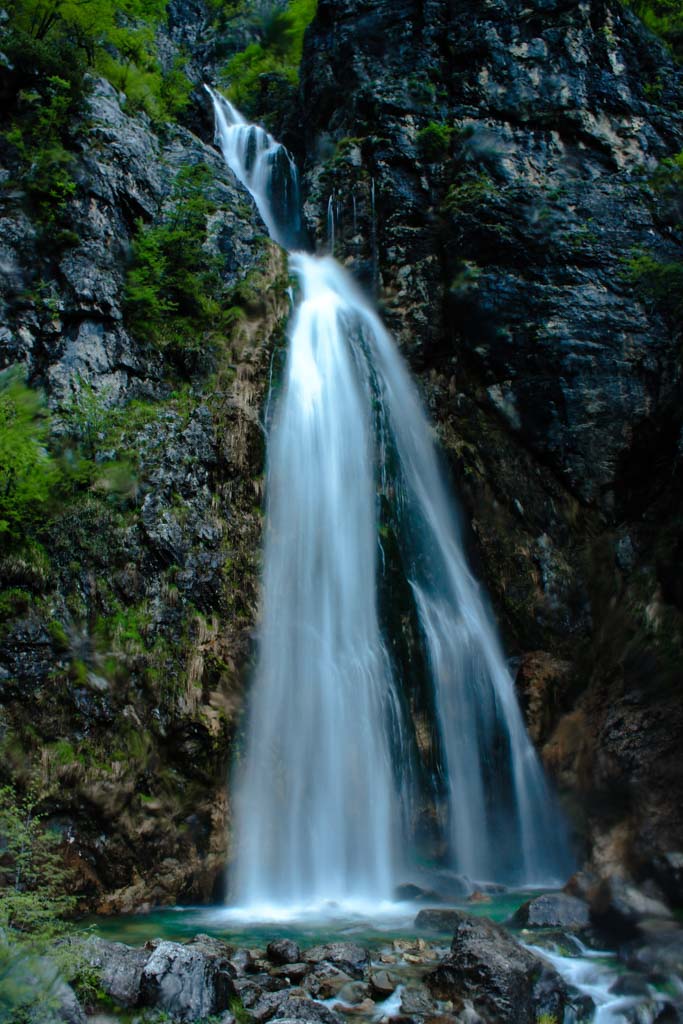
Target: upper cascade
[
  {"x": 265, "y": 168},
  {"x": 327, "y": 794}
]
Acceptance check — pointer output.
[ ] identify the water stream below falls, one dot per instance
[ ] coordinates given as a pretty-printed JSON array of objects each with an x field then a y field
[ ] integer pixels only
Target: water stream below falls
[{"x": 331, "y": 779}]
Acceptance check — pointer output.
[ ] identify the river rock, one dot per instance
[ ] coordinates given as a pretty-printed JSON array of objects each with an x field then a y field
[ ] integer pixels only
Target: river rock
[
  {"x": 553, "y": 910},
  {"x": 355, "y": 993},
  {"x": 326, "y": 981},
  {"x": 248, "y": 990},
  {"x": 295, "y": 973},
  {"x": 415, "y": 894},
  {"x": 667, "y": 870},
  {"x": 660, "y": 956},
  {"x": 185, "y": 982},
  {"x": 283, "y": 951},
  {"x": 618, "y": 908},
  {"x": 416, "y": 1001},
  {"x": 438, "y": 920},
  {"x": 346, "y": 956},
  {"x": 505, "y": 983},
  {"x": 120, "y": 968},
  {"x": 297, "y": 1009},
  {"x": 267, "y": 1006},
  {"x": 383, "y": 983},
  {"x": 243, "y": 962}
]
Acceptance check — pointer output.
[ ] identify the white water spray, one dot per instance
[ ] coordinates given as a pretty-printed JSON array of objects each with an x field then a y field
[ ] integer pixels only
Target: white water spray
[{"x": 324, "y": 795}]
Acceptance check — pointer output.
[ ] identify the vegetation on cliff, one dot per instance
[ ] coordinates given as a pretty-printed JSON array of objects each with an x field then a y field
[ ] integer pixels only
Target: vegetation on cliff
[{"x": 665, "y": 18}]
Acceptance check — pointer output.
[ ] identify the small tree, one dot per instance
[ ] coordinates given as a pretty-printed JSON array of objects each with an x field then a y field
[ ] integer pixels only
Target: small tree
[
  {"x": 27, "y": 470},
  {"x": 33, "y": 900}
]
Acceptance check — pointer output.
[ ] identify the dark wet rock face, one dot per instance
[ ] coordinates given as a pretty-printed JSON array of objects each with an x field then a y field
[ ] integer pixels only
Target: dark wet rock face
[
  {"x": 503, "y": 981},
  {"x": 121, "y": 669},
  {"x": 621, "y": 910},
  {"x": 487, "y": 166}
]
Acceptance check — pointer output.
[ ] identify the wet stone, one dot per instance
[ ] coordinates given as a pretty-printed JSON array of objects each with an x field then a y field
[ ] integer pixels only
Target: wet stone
[
  {"x": 283, "y": 951},
  {"x": 293, "y": 972},
  {"x": 383, "y": 983}
]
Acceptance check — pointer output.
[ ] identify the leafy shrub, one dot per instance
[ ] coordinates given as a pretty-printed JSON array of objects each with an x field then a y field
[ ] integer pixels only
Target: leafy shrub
[
  {"x": 116, "y": 39},
  {"x": 277, "y": 54},
  {"x": 39, "y": 141},
  {"x": 33, "y": 903},
  {"x": 175, "y": 294},
  {"x": 665, "y": 19},
  {"x": 434, "y": 141},
  {"x": 28, "y": 473},
  {"x": 470, "y": 193},
  {"x": 659, "y": 280}
]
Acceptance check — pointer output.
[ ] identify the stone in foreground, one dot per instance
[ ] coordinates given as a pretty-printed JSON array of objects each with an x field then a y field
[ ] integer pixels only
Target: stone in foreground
[
  {"x": 553, "y": 910},
  {"x": 505, "y": 983}
]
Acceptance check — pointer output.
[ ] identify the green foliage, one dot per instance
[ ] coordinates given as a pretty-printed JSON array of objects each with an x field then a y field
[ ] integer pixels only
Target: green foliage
[
  {"x": 466, "y": 280},
  {"x": 434, "y": 141},
  {"x": 32, "y": 896},
  {"x": 28, "y": 473},
  {"x": 469, "y": 193},
  {"x": 665, "y": 19},
  {"x": 33, "y": 902},
  {"x": 44, "y": 164},
  {"x": 659, "y": 280},
  {"x": 13, "y": 602},
  {"x": 238, "y": 1011},
  {"x": 175, "y": 293},
  {"x": 277, "y": 54},
  {"x": 115, "y": 39},
  {"x": 89, "y": 416}
]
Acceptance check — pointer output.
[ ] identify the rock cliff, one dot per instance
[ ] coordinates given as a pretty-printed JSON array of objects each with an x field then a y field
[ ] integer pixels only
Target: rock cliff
[
  {"x": 492, "y": 169},
  {"x": 496, "y": 179}
]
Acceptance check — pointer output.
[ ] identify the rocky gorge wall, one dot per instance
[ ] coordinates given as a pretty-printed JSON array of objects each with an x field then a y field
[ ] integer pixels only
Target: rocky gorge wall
[
  {"x": 130, "y": 600},
  {"x": 491, "y": 171}
]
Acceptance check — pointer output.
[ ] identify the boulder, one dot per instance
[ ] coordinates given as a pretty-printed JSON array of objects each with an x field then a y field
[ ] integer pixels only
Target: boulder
[
  {"x": 415, "y": 894},
  {"x": 354, "y": 993},
  {"x": 618, "y": 908},
  {"x": 248, "y": 990},
  {"x": 120, "y": 968},
  {"x": 283, "y": 951},
  {"x": 553, "y": 910},
  {"x": 383, "y": 983},
  {"x": 326, "y": 980},
  {"x": 294, "y": 973},
  {"x": 505, "y": 983},
  {"x": 436, "y": 919},
  {"x": 295, "y": 1008},
  {"x": 667, "y": 871},
  {"x": 185, "y": 982},
  {"x": 660, "y": 956},
  {"x": 243, "y": 962},
  {"x": 267, "y": 1006},
  {"x": 416, "y": 1001},
  {"x": 345, "y": 955}
]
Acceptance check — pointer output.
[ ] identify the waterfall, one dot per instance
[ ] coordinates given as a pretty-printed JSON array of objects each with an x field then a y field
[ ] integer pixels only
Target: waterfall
[{"x": 325, "y": 792}]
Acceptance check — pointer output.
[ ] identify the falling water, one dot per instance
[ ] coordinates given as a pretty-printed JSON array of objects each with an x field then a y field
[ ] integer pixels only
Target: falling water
[
  {"x": 265, "y": 168},
  {"x": 325, "y": 789},
  {"x": 330, "y": 223}
]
